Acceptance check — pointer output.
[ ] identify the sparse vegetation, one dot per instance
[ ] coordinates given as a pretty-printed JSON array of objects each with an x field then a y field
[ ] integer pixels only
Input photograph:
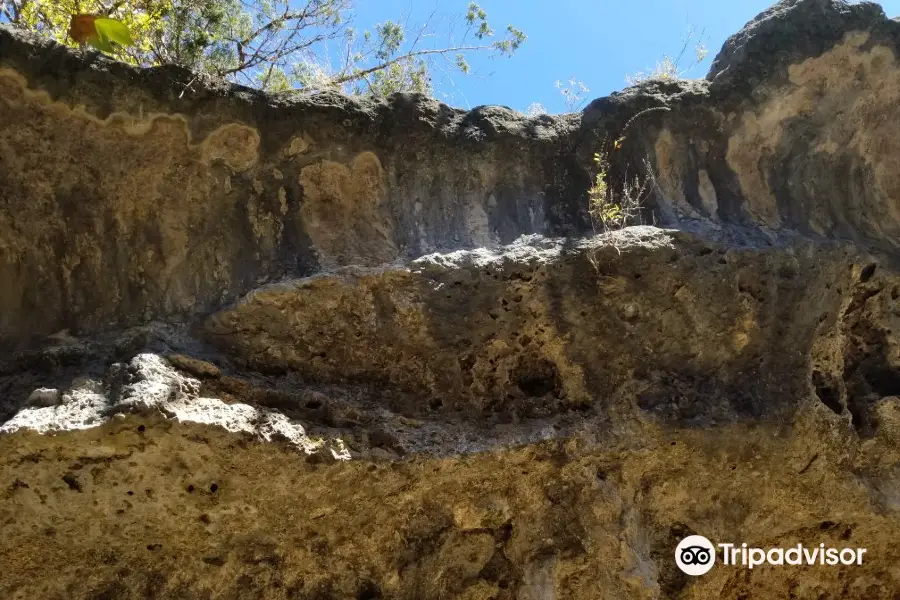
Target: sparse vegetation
[
  {"x": 671, "y": 68},
  {"x": 617, "y": 203},
  {"x": 574, "y": 93},
  {"x": 615, "y": 207},
  {"x": 535, "y": 109}
]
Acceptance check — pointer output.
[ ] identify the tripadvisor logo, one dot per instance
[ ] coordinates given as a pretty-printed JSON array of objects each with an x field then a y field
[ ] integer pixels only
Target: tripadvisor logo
[{"x": 695, "y": 555}]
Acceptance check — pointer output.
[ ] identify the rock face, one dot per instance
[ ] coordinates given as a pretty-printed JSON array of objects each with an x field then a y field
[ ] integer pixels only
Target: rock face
[{"x": 323, "y": 348}]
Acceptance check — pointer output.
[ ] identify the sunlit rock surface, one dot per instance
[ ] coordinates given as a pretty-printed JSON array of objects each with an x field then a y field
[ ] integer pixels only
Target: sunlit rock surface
[{"x": 325, "y": 348}]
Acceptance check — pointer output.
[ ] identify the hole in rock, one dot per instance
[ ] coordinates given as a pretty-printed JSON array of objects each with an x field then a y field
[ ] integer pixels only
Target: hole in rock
[
  {"x": 504, "y": 532},
  {"x": 870, "y": 374},
  {"x": 787, "y": 272},
  {"x": 884, "y": 380},
  {"x": 867, "y": 272},
  {"x": 368, "y": 591},
  {"x": 466, "y": 364},
  {"x": 828, "y": 395},
  {"x": 861, "y": 417},
  {"x": 214, "y": 488},
  {"x": 72, "y": 482},
  {"x": 499, "y": 570},
  {"x": 536, "y": 378}
]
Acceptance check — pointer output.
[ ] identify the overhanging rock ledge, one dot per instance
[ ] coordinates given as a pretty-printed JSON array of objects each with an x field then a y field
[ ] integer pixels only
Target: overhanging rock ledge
[{"x": 326, "y": 348}]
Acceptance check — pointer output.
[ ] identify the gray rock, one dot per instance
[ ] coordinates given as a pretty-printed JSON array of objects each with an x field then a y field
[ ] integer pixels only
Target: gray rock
[
  {"x": 419, "y": 372},
  {"x": 44, "y": 397},
  {"x": 789, "y": 32}
]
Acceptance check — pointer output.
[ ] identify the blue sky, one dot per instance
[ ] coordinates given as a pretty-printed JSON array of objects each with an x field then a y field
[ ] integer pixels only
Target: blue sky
[{"x": 596, "y": 41}]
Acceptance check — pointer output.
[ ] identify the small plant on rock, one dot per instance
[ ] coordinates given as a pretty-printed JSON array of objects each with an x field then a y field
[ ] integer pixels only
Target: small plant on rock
[
  {"x": 616, "y": 207},
  {"x": 617, "y": 204},
  {"x": 535, "y": 109},
  {"x": 672, "y": 69},
  {"x": 574, "y": 93}
]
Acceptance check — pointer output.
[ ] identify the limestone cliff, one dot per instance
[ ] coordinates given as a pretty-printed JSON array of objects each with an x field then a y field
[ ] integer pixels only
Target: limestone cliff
[{"x": 321, "y": 348}]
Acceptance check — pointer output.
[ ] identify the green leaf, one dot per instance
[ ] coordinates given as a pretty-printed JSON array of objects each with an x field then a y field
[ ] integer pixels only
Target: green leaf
[
  {"x": 101, "y": 44},
  {"x": 111, "y": 30}
]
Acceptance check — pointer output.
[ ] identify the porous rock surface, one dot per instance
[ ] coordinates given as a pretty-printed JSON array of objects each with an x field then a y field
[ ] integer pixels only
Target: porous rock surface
[{"x": 317, "y": 348}]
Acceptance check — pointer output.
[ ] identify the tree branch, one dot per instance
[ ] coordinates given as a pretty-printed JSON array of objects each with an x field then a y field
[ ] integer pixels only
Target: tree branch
[
  {"x": 297, "y": 16},
  {"x": 116, "y": 6},
  {"x": 9, "y": 15},
  {"x": 360, "y": 74},
  {"x": 258, "y": 58}
]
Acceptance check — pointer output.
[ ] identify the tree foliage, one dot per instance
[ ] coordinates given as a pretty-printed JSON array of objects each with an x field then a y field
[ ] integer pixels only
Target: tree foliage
[{"x": 277, "y": 45}]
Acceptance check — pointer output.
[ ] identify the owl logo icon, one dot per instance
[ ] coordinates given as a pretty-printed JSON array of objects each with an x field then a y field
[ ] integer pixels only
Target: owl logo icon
[{"x": 695, "y": 555}]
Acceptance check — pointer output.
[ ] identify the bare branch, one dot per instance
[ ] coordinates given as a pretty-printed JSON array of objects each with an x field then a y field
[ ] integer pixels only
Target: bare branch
[
  {"x": 5, "y": 11},
  {"x": 422, "y": 30},
  {"x": 258, "y": 58},
  {"x": 116, "y": 6},
  {"x": 17, "y": 7},
  {"x": 299, "y": 16},
  {"x": 360, "y": 74}
]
